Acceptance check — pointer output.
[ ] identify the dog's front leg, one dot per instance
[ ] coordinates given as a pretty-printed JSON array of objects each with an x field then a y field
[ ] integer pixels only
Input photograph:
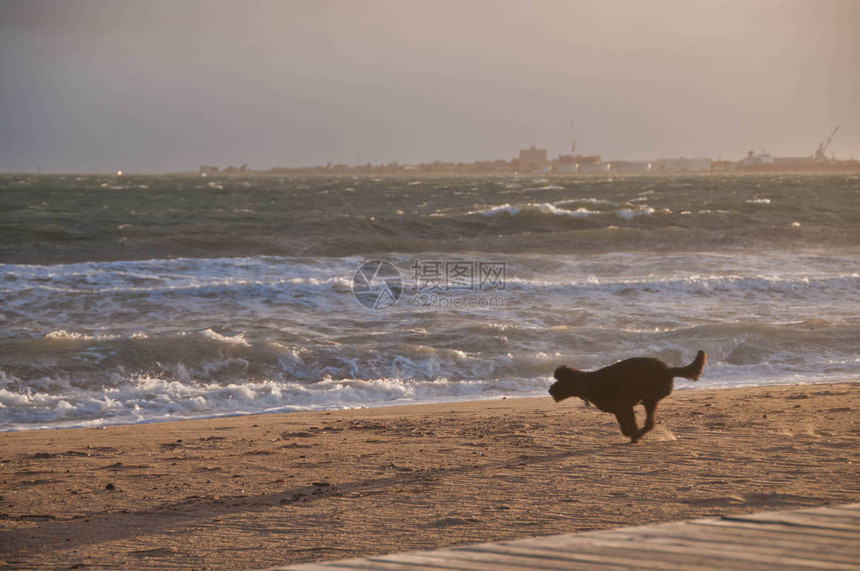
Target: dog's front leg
[{"x": 628, "y": 417}]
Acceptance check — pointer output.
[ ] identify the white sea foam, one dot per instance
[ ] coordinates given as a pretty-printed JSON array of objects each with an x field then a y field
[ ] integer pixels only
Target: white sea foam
[
  {"x": 238, "y": 339},
  {"x": 147, "y": 398},
  {"x": 62, "y": 334},
  {"x": 547, "y": 187},
  {"x": 587, "y": 200},
  {"x": 630, "y": 213},
  {"x": 555, "y": 208},
  {"x": 548, "y": 208},
  {"x": 544, "y": 208},
  {"x": 494, "y": 210}
]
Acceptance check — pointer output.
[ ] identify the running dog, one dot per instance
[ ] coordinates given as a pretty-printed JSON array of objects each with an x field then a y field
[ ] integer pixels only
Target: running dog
[{"x": 619, "y": 387}]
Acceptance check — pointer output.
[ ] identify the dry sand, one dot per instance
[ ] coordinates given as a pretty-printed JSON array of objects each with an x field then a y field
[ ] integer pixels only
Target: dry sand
[{"x": 274, "y": 489}]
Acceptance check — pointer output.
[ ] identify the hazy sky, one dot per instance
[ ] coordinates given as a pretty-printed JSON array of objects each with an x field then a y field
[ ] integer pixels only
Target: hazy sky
[{"x": 88, "y": 85}]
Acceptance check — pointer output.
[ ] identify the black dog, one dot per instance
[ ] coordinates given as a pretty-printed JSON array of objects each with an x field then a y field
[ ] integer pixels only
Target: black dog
[{"x": 619, "y": 387}]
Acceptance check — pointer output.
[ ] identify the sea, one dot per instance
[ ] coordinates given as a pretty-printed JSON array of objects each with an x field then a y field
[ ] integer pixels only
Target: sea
[{"x": 134, "y": 299}]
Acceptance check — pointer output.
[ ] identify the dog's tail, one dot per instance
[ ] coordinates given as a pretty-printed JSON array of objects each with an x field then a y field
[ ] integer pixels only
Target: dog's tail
[{"x": 692, "y": 371}]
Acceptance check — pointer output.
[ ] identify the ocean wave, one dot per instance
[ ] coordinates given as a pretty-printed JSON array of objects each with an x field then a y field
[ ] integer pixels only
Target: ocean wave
[
  {"x": 546, "y": 187},
  {"x": 695, "y": 284},
  {"x": 631, "y": 213},
  {"x": 62, "y": 334},
  {"x": 555, "y": 208},
  {"x": 204, "y": 276},
  {"x": 743, "y": 358},
  {"x": 584, "y": 200},
  {"x": 52, "y": 217},
  {"x": 146, "y": 398},
  {"x": 238, "y": 339},
  {"x": 543, "y": 208},
  {"x": 206, "y": 373}
]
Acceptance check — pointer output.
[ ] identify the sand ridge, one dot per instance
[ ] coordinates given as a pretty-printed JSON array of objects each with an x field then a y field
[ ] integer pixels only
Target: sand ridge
[{"x": 255, "y": 491}]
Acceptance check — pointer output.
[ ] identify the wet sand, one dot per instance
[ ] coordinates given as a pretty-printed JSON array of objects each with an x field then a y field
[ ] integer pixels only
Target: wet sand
[{"x": 256, "y": 491}]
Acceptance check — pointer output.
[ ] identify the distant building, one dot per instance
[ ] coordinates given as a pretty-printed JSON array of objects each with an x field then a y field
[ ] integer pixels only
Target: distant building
[
  {"x": 533, "y": 158},
  {"x": 565, "y": 163},
  {"x": 681, "y": 165},
  {"x": 789, "y": 162},
  {"x": 590, "y": 163},
  {"x": 628, "y": 166},
  {"x": 580, "y": 163},
  {"x": 721, "y": 165},
  {"x": 755, "y": 160},
  {"x": 208, "y": 169}
]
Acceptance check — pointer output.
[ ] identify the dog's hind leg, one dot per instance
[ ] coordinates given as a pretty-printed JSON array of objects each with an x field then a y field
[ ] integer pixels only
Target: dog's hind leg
[
  {"x": 622, "y": 422},
  {"x": 650, "y": 409}
]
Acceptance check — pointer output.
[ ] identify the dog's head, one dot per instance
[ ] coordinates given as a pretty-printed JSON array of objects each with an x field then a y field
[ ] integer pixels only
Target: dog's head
[{"x": 566, "y": 383}]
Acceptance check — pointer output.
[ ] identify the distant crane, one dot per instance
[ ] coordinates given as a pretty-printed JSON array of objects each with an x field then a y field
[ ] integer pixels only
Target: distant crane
[
  {"x": 572, "y": 138},
  {"x": 820, "y": 157}
]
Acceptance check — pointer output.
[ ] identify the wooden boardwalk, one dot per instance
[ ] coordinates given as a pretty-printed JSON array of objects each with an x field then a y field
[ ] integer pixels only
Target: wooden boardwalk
[{"x": 821, "y": 538}]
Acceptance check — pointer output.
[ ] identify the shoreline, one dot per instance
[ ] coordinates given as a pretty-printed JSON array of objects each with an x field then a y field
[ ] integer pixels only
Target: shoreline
[
  {"x": 697, "y": 386},
  {"x": 272, "y": 489}
]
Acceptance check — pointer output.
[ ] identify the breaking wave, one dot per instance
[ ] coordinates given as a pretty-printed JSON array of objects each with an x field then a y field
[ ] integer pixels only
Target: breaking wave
[{"x": 558, "y": 209}]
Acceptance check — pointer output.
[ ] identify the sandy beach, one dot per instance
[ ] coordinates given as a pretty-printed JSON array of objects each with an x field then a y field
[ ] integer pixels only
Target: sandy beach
[{"x": 256, "y": 491}]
